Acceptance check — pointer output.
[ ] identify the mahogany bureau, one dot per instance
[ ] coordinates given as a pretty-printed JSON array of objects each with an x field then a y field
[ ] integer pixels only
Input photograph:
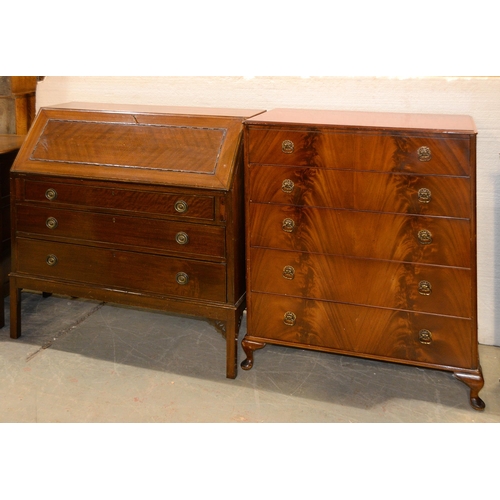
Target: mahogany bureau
[
  {"x": 361, "y": 237},
  {"x": 9, "y": 147},
  {"x": 136, "y": 205}
]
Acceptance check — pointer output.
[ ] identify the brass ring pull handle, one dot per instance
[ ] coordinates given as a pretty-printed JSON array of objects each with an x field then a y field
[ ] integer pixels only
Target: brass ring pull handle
[
  {"x": 51, "y": 194},
  {"x": 51, "y": 260},
  {"x": 181, "y": 206},
  {"x": 288, "y": 225},
  {"x": 182, "y": 278},
  {"x": 424, "y": 288},
  {"x": 51, "y": 223},
  {"x": 424, "y": 336},
  {"x": 424, "y": 237},
  {"x": 288, "y": 272},
  {"x": 424, "y": 153},
  {"x": 182, "y": 238},
  {"x": 287, "y": 186},
  {"x": 289, "y": 318},
  {"x": 424, "y": 195},
  {"x": 287, "y": 147}
]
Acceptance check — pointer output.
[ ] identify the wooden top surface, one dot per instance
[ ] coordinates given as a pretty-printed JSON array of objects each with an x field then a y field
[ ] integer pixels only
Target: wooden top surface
[
  {"x": 10, "y": 142},
  {"x": 459, "y": 124},
  {"x": 156, "y": 109}
]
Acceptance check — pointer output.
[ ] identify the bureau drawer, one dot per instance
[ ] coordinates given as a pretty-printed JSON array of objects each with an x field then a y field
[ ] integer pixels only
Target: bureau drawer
[
  {"x": 382, "y": 333},
  {"x": 339, "y": 150},
  {"x": 152, "y": 234},
  {"x": 119, "y": 270},
  {"x": 430, "y": 240},
  {"x": 395, "y": 285},
  {"x": 128, "y": 200},
  {"x": 383, "y": 192}
]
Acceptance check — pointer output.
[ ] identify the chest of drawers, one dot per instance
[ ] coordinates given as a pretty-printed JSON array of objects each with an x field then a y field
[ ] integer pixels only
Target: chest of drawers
[
  {"x": 361, "y": 237},
  {"x": 135, "y": 205}
]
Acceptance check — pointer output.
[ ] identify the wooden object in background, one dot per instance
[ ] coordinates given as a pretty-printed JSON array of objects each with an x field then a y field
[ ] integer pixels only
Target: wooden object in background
[
  {"x": 17, "y": 103},
  {"x": 137, "y": 205},
  {"x": 361, "y": 237},
  {"x": 9, "y": 146}
]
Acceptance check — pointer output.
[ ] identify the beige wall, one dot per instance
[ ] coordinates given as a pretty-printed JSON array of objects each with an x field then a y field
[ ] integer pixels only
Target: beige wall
[{"x": 478, "y": 97}]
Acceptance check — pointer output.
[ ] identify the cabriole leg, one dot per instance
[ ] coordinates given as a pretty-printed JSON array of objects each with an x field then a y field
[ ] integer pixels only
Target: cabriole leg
[
  {"x": 249, "y": 346},
  {"x": 475, "y": 381}
]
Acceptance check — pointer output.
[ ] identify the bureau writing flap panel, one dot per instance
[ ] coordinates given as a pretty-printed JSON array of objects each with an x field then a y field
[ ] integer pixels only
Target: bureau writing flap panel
[
  {"x": 147, "y": 147},
  {"x": 184, "y": 149}
]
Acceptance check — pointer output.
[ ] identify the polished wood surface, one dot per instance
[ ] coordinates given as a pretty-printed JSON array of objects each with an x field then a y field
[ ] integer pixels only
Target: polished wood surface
[
  {"x": 142, "y": 207},
  {"x": 361, "y": 237}
]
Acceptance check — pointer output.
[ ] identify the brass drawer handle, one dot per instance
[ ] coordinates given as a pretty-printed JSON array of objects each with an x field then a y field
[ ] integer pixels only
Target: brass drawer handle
[
  {"x": 424, "y": 237},
  {"x": 288, "y": 225},
  {"x": 51, "y": 223},
  {"x": 289, "y": 318},
  {"x": 287, "y": 147},
  {"x": 288, "y": 272},
  {"x": 51, "y": 260},
  {"x": 424, "y": 195},
  {"x": 424, "y": 153},
  {"x": 424, "y": 288},
  {"x": 182, "y": 278},
  {"x": 287, "y": 186},
  {"x": 51, "y": 194},
  {"x": 181, "y": 206},
  {"x": 424, "y": 336},
  {"x": 182, "y": 238}
]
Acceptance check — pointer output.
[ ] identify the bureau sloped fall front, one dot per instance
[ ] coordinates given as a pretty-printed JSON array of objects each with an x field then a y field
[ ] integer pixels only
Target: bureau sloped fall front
[
  {"x": 361, "y": 237},
  {"x": 136, "y": 205}
]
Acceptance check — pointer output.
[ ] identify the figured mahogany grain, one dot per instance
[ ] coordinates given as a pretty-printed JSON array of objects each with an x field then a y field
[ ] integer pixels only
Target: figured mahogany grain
[{"x": 361, "y": 237}]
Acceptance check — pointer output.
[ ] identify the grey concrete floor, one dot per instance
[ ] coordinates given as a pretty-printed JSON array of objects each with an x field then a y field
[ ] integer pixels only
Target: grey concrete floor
[{"x": 84, "y": 361}]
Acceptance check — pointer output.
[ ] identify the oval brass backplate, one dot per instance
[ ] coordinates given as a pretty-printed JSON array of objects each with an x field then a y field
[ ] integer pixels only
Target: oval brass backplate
[
  {"x": 424, "y": 195},
  {"x": 288, "y": 225},
  {"x": 289, "y": 318},
  {"x": 424, "y": 336},
  {"x": 424, "y": 153},
  {"x": 424, "y": 288},
  {"x": 287, "y": 146},
  {"x": 287, "y": 186}
]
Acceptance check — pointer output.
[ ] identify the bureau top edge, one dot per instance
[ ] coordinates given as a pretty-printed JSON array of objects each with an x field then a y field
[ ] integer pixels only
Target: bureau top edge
[
  {"x": 157, "y": 109},
  {"x": 363, "y": 120}
]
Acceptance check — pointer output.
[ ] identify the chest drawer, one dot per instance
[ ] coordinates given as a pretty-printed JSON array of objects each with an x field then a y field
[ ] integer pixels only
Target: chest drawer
[
  {"x": 412, "y": 287},
  {"x": 148, "y": 234},
  {"x": 339, "y": 150},
  {"x": 128, "y": 271},
  {"x": 128, "y": 200},
  {"x": 362, "y": 330},
  {"x": 384, "y": 192},
  {"x": 430, "y": 240}
]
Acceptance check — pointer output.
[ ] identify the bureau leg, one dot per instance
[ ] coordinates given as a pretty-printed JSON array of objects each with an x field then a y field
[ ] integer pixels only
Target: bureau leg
[
  {"x": 231, "y": 344},
  {"x": 475, "y": 381},
  {"x": 249, "y": 346},
  {"x": 15, "y": 310}
]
